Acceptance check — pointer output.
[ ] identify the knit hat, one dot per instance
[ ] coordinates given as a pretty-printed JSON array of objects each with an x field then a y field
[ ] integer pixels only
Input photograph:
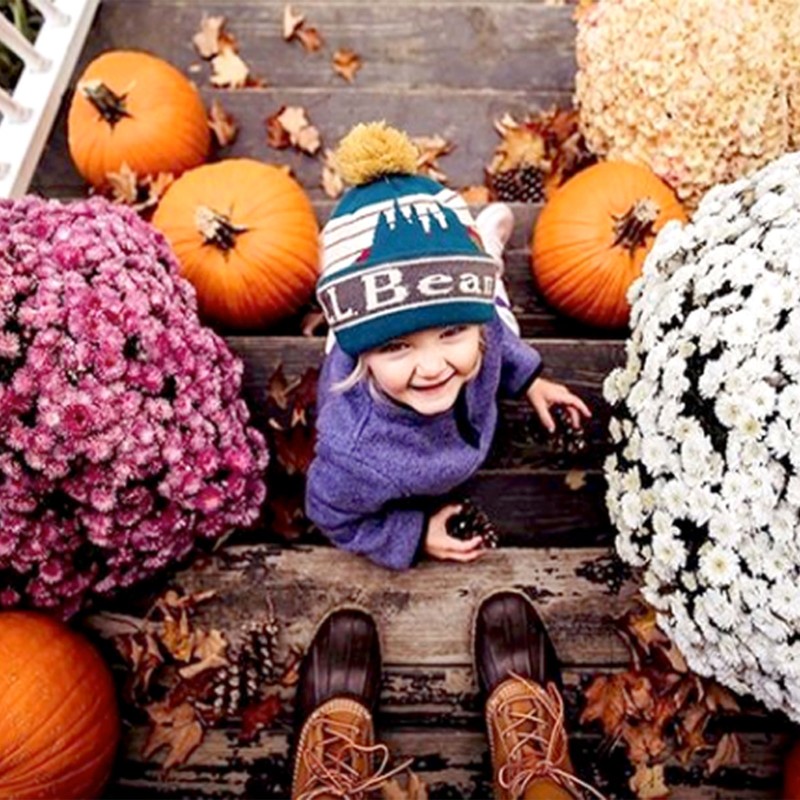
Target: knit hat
[{"x": 400, "y": 252}]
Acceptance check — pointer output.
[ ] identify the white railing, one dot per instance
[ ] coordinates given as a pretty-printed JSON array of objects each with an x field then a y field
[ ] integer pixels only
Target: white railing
[{"x": 27, "y": 115}]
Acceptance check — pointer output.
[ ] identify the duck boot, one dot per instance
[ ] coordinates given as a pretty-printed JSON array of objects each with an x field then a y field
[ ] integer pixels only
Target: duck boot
[
  {"x": 519, "y": 674},
  {"x": 337, "y": 695}
]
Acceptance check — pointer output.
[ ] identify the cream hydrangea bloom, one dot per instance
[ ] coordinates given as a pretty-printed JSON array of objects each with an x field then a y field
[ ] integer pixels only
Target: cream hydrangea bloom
[{"x": 699, "y": 90}]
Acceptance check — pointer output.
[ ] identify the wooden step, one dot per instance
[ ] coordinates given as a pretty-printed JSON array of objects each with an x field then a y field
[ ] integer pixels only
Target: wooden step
[
  {"x": 454, "y": 763},
  {"x": 535, "y": 497}
]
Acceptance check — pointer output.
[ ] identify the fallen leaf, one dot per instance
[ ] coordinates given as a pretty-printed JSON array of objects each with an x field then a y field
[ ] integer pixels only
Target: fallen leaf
[
  {"x": 606, "y": 702},
  {"x": 178, "y": 729},
  {"x": 291, "y": 22},
  {"x": 332, "y": 183},
  {"x": 207, "y": 39},
  {"x": 576, "y": 479},
  {"x": 222, "y": 124},
  {"x": 308, "y": 140},
  {"x": 291, "y": 672},
  {"x": 257, "y": 716},
  {"x": 415, "y": 788},
  {"x": 159, "y": 185},
  {"x": 277, "y": 136},
  {"x": 295, "y": 122},
  {"x": 124, "y": 185},
  {"x": 177, "y": 637},
  {"x": 648, "y": 782},
  {"x": 690, "y": 731},
  {"x": 719, "y": 698},
  {"x": 209, "y": 653},
  {"x": 309, "y": 37},
  {"x": 429, "y": 150},
  {"x": 228, "y": 69},
  {"x": 278, "y": 388},
  {"x": 728, "y": 752},
  {"x": 143, "y": 657},
  {"x": 294, "y": 448},
  {"x": 644, "y": 741},
  {"x": 346, "y": 63}
]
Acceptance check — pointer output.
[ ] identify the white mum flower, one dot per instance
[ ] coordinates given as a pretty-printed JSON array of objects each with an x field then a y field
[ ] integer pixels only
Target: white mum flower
[
  {"x": 669, "y": 554},
  {"x": 719, "y": 566},
  {"x": 729, "y": 410}
]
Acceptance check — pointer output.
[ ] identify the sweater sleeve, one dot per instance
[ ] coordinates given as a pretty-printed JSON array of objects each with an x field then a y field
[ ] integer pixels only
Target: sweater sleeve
[
  {"x": 520, "y": 363},
  {"x": 360, "y": 510}
]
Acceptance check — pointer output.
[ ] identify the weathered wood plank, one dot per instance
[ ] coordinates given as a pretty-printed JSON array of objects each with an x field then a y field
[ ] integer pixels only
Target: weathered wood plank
[
  {"x": 456, "y": 45},
  {"x": 454, "y": 763},
  {"x": 425, "y": 614},
  {"x": 463, "y": 116}
]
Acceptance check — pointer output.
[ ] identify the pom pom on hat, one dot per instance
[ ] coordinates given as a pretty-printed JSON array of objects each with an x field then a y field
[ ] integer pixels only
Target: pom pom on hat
[{"x": 373, "y": 150}]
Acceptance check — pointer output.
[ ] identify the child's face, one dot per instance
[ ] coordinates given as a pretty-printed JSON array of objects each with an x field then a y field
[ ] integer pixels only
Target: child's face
[{"x": 426, "y": 369}]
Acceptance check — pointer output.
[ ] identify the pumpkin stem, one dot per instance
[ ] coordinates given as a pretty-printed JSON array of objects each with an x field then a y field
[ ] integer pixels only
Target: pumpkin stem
[
  {"x": 632, "y": 228},
  {"x": 216, "y": 228},
  {"x": 110, "y": 105}
]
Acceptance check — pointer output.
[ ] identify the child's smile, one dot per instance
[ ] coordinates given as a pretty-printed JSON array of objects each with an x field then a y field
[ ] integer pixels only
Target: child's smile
[{"x": 427, "y": 369}]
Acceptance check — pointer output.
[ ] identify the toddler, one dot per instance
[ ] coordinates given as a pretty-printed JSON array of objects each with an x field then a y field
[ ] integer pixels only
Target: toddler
[{"x": 422, "y": 344}]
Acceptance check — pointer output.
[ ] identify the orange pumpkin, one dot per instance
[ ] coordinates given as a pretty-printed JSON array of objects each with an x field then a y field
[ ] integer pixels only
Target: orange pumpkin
[
  {"x": 791, "y": 774},
  {"x": 592, "y": 236},
  {"x": 246, "y": 236},
  {"x": 131, "y": 107},
  {"x": 59, "y": 725}
]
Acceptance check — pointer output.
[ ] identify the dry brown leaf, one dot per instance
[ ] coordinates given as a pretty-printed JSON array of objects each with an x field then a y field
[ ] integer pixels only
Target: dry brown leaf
[
  {"x": 291, "y": 672},
  {"x": 278, "y": 388},
  {"x": 177, "y": 637},
  {"x": 209, "y": 653},
  {"x": 124, "y": 185},
  {"x": 308, "y": 140},
  {"x": 644, "y": 740},
  {"x": 728, "y": 752},
  {"x": 143, "y": 657},
  {"x": 719, "y": 698},
  {"x": 691, "y": 732},
  {"x": 291, "y": 22},
  {"x": 277, "y": 135},
  {"x": 429, "y": 150},
  {"x": 475, "y": 195},
  {"x": 346, "y": 63},
  {"x": 222, "y": 124},
  {"x": 415, "y": 789},
  {"x": 158, "y": 186},
  {"x": 178, "y": 729},
  {"x": 647, "y": 782},
  {"x": 576, "y": 479},
  {"x": 302, "y": 134},
  {"x": 332, "y": 183},
  {"x": 207, "y": 39},
  {"x": 259, "y": 715},
  {"x": 606, "y": 702},
  {"x": 228, "y": 68},
  {"x": 309, "y": 37}
]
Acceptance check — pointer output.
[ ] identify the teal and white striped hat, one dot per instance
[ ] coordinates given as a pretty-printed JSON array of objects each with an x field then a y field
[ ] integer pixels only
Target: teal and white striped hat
[{"x": 400, "y": 253}]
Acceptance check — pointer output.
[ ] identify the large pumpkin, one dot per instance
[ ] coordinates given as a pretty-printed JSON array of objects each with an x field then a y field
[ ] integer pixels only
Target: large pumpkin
[
  {"x": 592, "y": 237},
  {"x": 134, "y": 108},
  {"x": 246, "y": 236},
  {"x": 59, "y": 725}
]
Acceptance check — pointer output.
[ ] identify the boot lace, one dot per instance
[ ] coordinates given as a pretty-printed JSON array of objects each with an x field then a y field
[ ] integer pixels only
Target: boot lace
[
  {"x": 534, "y": 756},
  {"x": 334, "y": 771}
]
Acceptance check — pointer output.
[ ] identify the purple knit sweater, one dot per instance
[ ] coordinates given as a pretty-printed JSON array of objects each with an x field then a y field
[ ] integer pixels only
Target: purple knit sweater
[{"x": 378, "y": 463}]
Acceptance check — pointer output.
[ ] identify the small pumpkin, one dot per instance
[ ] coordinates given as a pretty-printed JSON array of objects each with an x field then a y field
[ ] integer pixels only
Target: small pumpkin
[
  {"x": 134, "y": 108},
  {"x": 593, "y": 235},
  {"x": 246, "y": 236},
  {"x": 791, "y": 773},
  {"x": 60, "y": 725}
]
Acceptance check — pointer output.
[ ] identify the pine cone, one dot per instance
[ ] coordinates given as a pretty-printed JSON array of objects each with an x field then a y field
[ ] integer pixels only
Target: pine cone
[
  {"x": 472, "y": 521},
  {"x": 523, "y": 184}
]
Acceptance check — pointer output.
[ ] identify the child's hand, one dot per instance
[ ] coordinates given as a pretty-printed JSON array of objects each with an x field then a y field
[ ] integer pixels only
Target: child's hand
[
  {"x": 543, "y": 394},
  {"x": 441, "y": 545}
]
